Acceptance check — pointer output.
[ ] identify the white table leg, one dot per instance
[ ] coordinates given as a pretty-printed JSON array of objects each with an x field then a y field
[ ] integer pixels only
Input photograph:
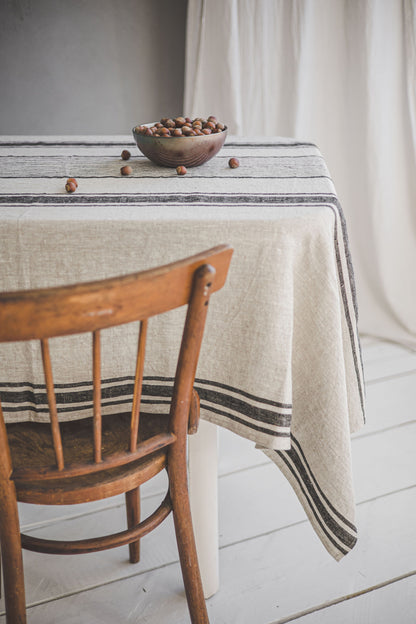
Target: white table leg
[{"x": 203, "y": 490}]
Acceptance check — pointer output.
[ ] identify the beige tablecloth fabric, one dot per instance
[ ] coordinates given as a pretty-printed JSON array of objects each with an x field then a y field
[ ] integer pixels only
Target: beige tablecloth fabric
[{"x": 280, "y": 362}]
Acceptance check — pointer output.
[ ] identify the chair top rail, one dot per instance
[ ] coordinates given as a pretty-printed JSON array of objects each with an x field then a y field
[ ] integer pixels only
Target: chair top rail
[{"x": 89, "y": 306}]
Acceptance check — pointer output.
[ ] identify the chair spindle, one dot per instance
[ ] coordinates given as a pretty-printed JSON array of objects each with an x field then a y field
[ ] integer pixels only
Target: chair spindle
[
  {"x": 138, "y": 383},
  {"x": 53, "y": 414},
  {"x": 96, "y": 375}
]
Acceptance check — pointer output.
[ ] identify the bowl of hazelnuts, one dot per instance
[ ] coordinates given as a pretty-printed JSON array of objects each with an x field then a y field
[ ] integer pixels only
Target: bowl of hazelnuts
[{"x": 172, "y": 142}]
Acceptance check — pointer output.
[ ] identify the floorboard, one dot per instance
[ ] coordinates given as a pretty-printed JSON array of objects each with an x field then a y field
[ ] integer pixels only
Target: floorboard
[{"x": 386, "y": 604}]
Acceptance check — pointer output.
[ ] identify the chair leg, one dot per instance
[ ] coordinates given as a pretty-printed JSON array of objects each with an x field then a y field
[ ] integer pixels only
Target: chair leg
[
  {"x": 133, "y": 518},
  {"x": 11, "y": 555},
  {"x": 186, "y": 544}
]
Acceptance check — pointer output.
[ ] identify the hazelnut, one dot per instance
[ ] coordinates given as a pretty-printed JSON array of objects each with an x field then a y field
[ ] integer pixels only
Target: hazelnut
[
  {"x": 74, "y": 181},
  {"x": 70, "y": 186},
  {"x": 234, "y": 163},
  {"x": 125, "y": 154},
  {"x": 181, "y": 170},
  {"x": 177, "y": 132},
  {"x": 190, "y": 127},
  {"x": 126, "y": 170}
]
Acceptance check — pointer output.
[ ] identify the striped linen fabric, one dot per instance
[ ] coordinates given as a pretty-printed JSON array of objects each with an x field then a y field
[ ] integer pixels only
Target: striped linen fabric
[{"x": 280, "y": 363}]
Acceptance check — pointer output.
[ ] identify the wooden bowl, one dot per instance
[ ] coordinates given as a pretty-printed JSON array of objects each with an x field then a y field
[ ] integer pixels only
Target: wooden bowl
[{"x": 190, "y": 151}]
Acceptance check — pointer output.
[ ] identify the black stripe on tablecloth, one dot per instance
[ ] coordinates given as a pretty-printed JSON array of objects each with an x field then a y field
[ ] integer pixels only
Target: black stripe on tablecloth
[
  {"x": 65, "y": 144},
  {"x": 132, "y": 143},
  {"x": 172, "y": 174},
  {"x": 168, "y": 198},
  {"x": 140, "y": 157},
  {"x": 245, "y": 394},
  {"x": 80, "y": 408},
  {"x": 302, "y": 458},
  {"x": 249, "y": 425},
  {"x": 233, "y": 404},
  {"x": 236, "y": 407},
  {"x": 328, "y": 519},
  {"x": 358, "y": 365},
  {"x": 77, "y": 384}
]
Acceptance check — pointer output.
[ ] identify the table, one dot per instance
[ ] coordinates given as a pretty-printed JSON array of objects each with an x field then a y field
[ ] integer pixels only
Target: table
[{"x": 280, "y": 362}]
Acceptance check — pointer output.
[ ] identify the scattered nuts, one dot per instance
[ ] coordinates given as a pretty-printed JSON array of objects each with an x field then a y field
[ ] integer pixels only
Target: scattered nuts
[
  {"x": 234, "y": 163},
  {"x": 126, "y": 170},
  {"x": 181, "y": 170},
  {"x": 125, "y": 154},
  {"x": 71, "y": 185}
]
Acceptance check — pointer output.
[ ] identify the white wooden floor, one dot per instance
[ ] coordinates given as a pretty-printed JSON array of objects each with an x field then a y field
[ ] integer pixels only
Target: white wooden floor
[{"x": 273, "y": 569}]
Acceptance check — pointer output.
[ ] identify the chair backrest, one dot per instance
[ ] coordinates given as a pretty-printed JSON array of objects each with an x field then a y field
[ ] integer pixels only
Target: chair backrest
[{"x": 90, "y": 307}]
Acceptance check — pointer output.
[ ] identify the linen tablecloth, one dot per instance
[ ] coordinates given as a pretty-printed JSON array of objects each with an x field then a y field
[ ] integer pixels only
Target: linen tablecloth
[{"x": 280, "y": 362}]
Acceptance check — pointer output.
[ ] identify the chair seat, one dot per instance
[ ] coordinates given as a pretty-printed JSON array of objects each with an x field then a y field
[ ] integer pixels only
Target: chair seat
[{"x": 31, "y": 445}]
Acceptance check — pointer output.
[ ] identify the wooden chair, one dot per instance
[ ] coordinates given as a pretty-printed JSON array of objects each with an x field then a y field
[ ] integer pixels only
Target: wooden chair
[{"x": 91, "y": 459}]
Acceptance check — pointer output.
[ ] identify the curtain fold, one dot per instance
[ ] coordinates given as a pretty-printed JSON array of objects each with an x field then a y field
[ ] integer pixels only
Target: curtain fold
[{"x": 340, "y": 73}]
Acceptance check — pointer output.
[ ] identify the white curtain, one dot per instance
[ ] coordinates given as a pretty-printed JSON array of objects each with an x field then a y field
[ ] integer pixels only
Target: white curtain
[{"x": 342, "y": 74}]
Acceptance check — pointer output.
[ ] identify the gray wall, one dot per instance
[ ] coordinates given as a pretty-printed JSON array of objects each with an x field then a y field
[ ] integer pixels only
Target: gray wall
[{"x": 89, "y": 66}]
